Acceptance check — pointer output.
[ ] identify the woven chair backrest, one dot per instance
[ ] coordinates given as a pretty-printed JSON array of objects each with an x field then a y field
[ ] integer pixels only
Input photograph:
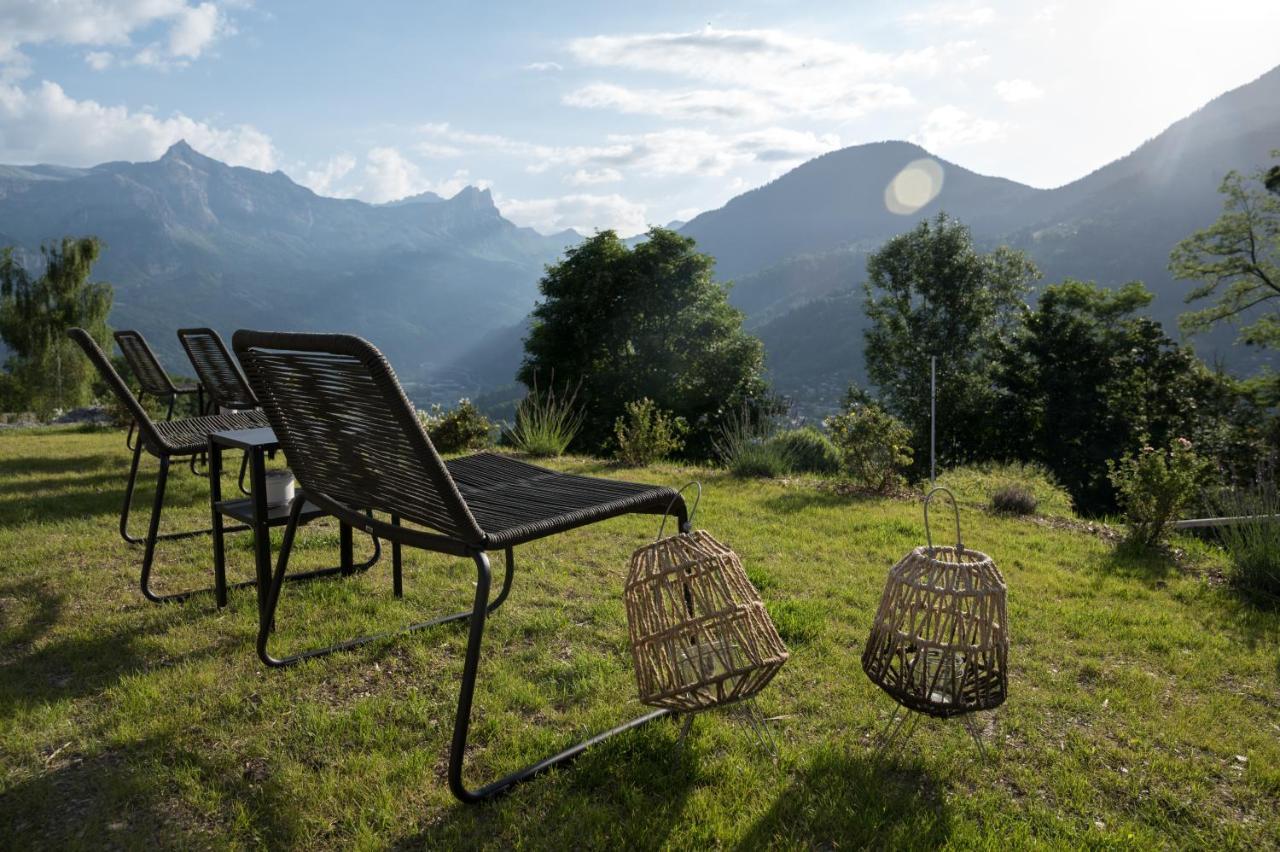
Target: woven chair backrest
[
  {"x": 117, "y": 384},
  {"x": 349, "y": 432},
  {"x": 143, "y": 364},
  {"x": 223, "y": 381}
]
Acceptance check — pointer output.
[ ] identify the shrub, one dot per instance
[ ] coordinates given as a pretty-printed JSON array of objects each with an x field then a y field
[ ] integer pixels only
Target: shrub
[
  {"x": 1154, "y": 486},
  {"x": 874, "y": 445},
  {"x": 808, "y": 450},
  {"x": 978, "y": 485},
  {"x": 1013, "y": 500},
  {"x": 456, "y": 431},
  {"x": 546, "y": 423},
  {"x": 743, "y": 445},
  {"x": 762, "y": 460},
  {"x": 1253, "y": 546},
  {"x": 646, "y": 434}
]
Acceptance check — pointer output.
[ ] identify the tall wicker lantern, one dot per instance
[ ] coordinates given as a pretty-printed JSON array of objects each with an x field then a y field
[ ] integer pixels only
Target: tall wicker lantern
[
  {"x": 700, "y": 635},
  {"x": 939, "y": 644}
]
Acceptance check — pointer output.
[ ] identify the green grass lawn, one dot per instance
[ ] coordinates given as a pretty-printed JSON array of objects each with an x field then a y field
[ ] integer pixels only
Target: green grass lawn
[{"x": 1144, "y": 706}]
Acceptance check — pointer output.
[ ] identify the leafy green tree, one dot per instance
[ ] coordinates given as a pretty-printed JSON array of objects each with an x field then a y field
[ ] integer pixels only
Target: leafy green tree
[
  {"x": 1273, "y": 179},
  {"x": 1237, "y": 261},
  {"x": 642, "y": 323},
  {"x": 47, "y": 371},
  {"x": 1085, "y": 379},
  {"x": 930, "y": 293}
]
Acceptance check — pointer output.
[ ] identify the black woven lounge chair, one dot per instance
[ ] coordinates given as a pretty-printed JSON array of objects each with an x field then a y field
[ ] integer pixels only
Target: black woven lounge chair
[
  {"x": 166, "y": 440},
  {"x": 224, "y": 383},
  {"x": 354, "y": 443},
  {"x": 151, "y": 377}
]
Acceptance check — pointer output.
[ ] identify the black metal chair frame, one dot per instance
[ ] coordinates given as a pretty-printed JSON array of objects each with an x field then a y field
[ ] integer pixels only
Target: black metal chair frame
[
  {"x": 269, "y": 356},
  {"x": 152, "y": 378}
]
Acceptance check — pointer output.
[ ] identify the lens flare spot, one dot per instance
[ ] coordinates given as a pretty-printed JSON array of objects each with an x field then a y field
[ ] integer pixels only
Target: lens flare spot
[{"x": 916, "y": 185}]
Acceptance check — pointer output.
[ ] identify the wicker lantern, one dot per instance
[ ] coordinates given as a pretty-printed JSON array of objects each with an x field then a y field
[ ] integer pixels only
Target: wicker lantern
[
  {"x": 939, "y": 644},
  {"x": 700, "y": 635}
]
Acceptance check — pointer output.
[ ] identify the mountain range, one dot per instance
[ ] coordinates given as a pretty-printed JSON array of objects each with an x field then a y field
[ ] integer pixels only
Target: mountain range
[
  {"x": 444, "y": 285},
  {"x": 191, "y": 241}
]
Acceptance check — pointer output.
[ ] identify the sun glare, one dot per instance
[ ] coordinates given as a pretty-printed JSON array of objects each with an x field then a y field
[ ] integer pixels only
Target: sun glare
[{"x": 916, "y": 185}]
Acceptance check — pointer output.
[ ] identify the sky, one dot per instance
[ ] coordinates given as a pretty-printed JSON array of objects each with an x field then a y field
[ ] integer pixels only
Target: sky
[{"x": 610, "y": 115}]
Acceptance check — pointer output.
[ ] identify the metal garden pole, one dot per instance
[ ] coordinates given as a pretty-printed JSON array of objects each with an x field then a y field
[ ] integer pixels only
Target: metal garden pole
[{"x": 933, "y": 417}]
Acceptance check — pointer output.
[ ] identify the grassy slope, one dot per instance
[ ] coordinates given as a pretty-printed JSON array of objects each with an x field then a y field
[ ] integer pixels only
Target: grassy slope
[{"x": 1133, "y": 690}]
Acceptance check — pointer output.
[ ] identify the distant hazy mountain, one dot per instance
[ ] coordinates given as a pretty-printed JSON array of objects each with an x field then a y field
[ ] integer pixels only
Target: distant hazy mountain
[
  {"x": 838, "y": 201},
  {"x": 192, "y": 241},
  {"x": 806, "y": 235}
]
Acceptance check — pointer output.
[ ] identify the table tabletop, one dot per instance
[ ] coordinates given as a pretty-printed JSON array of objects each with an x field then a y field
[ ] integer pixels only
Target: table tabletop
[{"x": 261, "y": 438}]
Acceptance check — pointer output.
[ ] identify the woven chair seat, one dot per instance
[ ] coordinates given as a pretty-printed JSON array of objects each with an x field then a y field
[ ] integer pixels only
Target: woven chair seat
[
  {"x": 515, "y": 502},
  {"x": 191, "y": 434}
]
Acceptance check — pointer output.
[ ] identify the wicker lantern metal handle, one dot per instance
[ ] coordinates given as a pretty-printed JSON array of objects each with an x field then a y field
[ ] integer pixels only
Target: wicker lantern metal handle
[
  {"x": 696, "y": 500},
  {"x": 955, "y": 505}
]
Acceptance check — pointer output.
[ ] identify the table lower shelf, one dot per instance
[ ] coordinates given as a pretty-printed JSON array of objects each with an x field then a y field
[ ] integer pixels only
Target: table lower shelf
[{"x": 277, "y": 516}]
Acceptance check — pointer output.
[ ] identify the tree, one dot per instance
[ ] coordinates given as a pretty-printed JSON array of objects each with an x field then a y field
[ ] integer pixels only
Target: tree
[
  {"x": 930, "y": 293},
  {"x": 1085, "y": 380},
  {"x": 642, "y": 323},
  {"x": 35, "y": 313},
  {"x": 1237, "y": 259}
]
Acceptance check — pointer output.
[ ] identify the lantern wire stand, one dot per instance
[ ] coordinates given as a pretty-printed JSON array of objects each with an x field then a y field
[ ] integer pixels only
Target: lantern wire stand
[
  {"x": 939, "y": 642},
  {"x": 700, "y": 635}
]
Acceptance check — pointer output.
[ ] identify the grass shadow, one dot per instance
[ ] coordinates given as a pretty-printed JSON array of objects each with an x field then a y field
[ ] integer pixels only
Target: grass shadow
[
  {"x": 47, "y": 607},
  {"x": 632, "y": 784},
  {"x": 123, "y": 796},
  {"x": 96, "y": 495},
  {"x": 28, "y": 465},
  {"x": 851, "y": 800},
  {"x": 1137, "y": 562},
  {"x": 802, "y": 500},
  {"x": 78, "y": 665}
]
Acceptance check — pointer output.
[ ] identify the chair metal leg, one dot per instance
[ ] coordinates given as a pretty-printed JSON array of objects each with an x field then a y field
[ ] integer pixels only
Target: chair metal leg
[
  {"x": 462, "y": 722},
  {"x": 128, "y": 504},
  {"x": 266, "y": 625},
  {"x": 244, "y": 468},
  {"x": 133, "y": 424},
  {"x": 397, "y": 565},
  {"x": 153, "y": 536},
  {"x": 153, "y": 530}
]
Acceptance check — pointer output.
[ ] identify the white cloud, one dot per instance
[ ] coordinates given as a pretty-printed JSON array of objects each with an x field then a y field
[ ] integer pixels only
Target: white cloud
[
  {"x": 390, "y": 176},
  {"x": 437, "y": 151},
  {"x": 784, "y": 73},
  {"x": 99, "y": 60},
  {"x": 967, "y": 15},
  {"x": 1017, "y": 91},
  {"x": 44, "y": 124},
  {"x": 676, "y": 151},
  {"x": 324, "y": 180},
  {"x": 193, "y": 29},
  {"x": 583, "y": 213},
  {"x": 674, "y": 104},
  {"x": 582, "y": 177},
  {"x": 544, "y": 66},
  {"x": 949, "y": 127},
  {"x": 113, "y": 24}
]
